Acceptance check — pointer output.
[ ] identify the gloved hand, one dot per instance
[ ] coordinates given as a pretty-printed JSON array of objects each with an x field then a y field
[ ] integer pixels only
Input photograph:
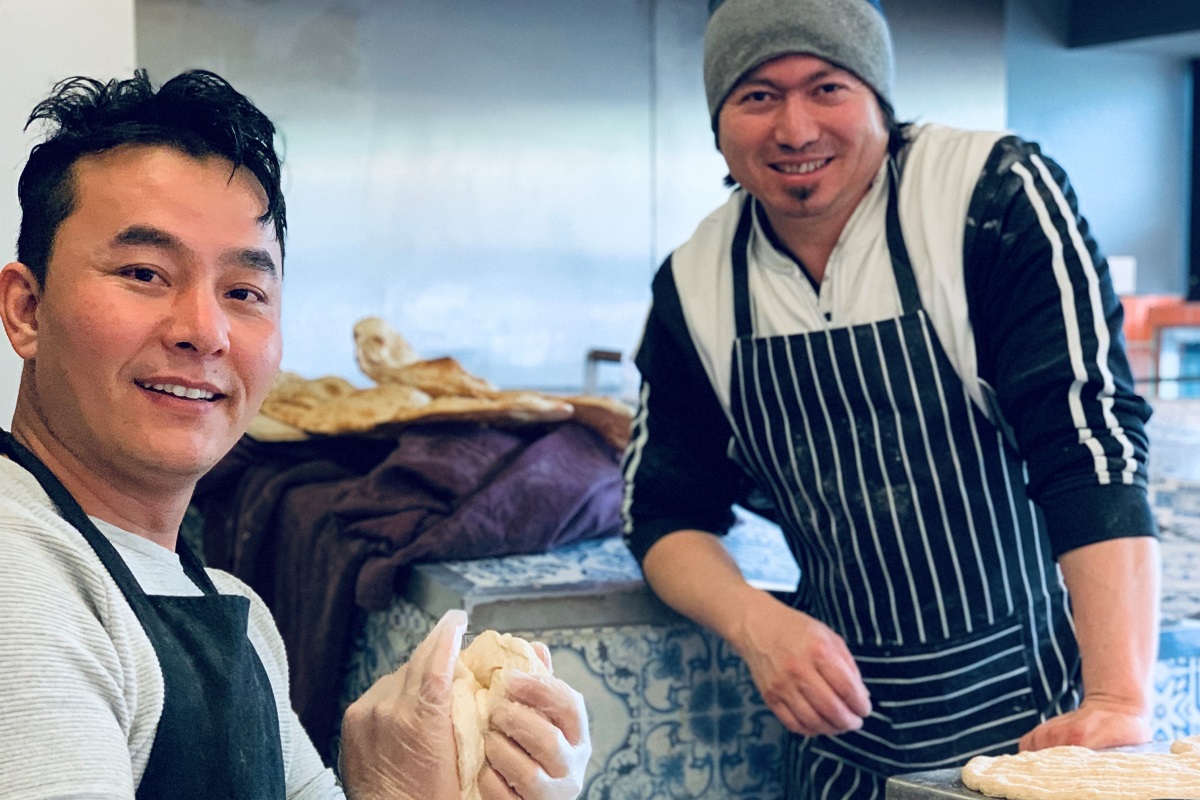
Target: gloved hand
[
  {"x": 539, "y": 745},
  {"x": 397, "y": 739}
]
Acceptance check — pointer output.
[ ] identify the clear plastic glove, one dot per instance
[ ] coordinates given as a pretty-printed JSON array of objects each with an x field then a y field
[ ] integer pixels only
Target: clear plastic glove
[
  {"x": 397, "y": 739},
  {"x": 539, "y": 745},
  {"x": 802, "y": 669}
]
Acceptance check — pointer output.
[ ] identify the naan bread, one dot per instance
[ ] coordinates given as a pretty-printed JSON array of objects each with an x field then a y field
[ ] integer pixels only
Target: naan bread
[
  {"x": 378, "y": 347},
  {"x": 1077, "y": 773},
  {"x": 410, "y": 390},
  {"x": 612, "y": 419},
  {"x": 479, "y": 683},
  {"x": 269, "y": 429},
  {"x": 333, "y": 405},
  {"x": 439, "y": 377}
]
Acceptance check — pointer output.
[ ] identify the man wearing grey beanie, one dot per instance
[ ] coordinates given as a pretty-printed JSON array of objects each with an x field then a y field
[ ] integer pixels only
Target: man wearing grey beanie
[{"x": 902, "y": 344}]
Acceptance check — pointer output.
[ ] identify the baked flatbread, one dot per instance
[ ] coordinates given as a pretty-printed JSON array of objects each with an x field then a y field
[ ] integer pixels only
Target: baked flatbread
[
  {"x": 410, "y": 390},
  {"x": 312, "y": 409},
  {"x": 269, "y": 429},
  {"x": 1077, "y": 773},
  {"x": 611, "y": 418},
  {"x": 378, "y": 347},
  {"x": 439, "y": 377},
  {"x": 479, "y": 683}
]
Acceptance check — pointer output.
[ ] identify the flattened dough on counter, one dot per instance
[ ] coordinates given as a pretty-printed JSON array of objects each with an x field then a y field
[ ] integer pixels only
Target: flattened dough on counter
[
  {"x": 479, "y": 678},
  {"x": 1077, "y": 773}
]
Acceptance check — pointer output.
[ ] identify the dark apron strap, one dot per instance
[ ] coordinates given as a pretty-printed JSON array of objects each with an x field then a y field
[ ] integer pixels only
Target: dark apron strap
[
  {"x": 906, "y": 282},
  {"x": 741, "y": 280}
]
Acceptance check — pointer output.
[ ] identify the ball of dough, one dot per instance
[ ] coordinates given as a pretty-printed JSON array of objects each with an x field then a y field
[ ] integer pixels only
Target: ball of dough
[{"x": 478, "y": 685}]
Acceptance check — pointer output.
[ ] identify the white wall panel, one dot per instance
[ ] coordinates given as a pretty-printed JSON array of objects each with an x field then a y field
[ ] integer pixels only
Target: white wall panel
[{"x": 45, "y": 41}]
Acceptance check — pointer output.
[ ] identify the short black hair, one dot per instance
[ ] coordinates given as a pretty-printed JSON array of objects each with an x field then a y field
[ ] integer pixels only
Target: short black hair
[{"x": 197, "y": 113}]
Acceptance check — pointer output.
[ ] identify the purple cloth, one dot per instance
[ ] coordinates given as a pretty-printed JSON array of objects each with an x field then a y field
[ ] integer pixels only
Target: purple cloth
[{"x": 489, "y": 493}]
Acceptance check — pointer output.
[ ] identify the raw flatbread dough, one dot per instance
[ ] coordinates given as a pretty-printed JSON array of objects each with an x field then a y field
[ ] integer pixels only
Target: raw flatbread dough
[
  {"x": 479, "y": 683},
  {"x": 1077, "y": 773}
]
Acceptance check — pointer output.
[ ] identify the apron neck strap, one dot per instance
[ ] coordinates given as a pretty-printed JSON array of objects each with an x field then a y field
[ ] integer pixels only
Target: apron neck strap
[
  {"x": 906, "y": 282},
  {"x": 73, "y": 513},
  {"x": 741, "y": 271}
]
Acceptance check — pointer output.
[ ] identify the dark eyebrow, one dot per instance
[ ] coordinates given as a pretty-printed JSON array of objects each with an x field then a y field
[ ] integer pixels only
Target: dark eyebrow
[
  {"x": 145, "y": 234},
  {"x": 251, "y": 257},
  {"x": 255, "y": 259}
]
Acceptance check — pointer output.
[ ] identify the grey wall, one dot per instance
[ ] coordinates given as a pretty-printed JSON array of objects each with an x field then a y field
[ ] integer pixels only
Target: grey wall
[
  {"x": 500, "y": 180},
  {"x": 1117, "y": 121}
]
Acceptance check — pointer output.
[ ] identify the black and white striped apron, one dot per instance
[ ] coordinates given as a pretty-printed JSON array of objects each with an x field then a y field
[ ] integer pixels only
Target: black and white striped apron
[{"x": 906, "y": 510}]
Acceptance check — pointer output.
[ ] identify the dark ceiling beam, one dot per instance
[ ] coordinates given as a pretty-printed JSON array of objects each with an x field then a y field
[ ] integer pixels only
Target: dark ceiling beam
[{"x": 1106, "y": 21}]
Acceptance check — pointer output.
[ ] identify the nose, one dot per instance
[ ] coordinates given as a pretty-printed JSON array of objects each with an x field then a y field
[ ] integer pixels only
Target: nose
[
  {"x": 198, "y": 322},
  {"x": 795, "y": 125}
]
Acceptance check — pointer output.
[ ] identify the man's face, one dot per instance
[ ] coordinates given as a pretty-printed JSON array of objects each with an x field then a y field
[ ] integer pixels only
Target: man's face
[
  {"x": 158, "y": 322},
  {"x": 804, "y": 137}
]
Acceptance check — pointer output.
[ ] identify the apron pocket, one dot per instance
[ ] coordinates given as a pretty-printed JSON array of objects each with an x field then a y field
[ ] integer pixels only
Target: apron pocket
[{"x": 937, "y": 705}]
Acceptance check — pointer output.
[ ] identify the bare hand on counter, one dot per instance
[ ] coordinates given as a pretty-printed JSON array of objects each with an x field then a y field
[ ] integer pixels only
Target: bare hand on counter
[
  {"x": 539, "y": 745},
  {"x": 803, "y": 669},
  {"x": 397, "y": 739},
  {"x": 1096, "y": 724}
]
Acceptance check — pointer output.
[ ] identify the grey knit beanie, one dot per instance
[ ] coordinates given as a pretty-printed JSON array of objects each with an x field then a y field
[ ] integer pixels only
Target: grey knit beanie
[{"x": 745, "y": 33}]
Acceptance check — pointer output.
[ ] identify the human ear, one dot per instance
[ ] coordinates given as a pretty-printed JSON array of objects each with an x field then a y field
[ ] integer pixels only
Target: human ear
[{"x": 20, "y": 294}]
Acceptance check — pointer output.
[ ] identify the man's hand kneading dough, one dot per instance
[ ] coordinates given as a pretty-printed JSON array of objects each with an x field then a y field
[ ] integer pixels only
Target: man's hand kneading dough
[
  {"x": 538, "y": 745},
  {"x": 398, "y": 739}
]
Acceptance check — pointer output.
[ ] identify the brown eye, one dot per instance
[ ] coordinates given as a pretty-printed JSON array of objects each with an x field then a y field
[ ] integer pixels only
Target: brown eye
[
  {"x": 141, "y": 274},
  {"x": 248, "y": 295}
]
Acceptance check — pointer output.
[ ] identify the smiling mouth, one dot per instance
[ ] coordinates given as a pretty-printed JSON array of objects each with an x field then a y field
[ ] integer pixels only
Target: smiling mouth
[
  {"x": 801, "y": 169},
  {"x": 183, "y": 392}
]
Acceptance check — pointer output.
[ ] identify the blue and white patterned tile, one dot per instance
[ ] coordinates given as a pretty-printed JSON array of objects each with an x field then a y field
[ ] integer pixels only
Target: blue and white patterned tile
[
  {"x": 598, "y": 560},
  {"x": 1176, "y": 704}
]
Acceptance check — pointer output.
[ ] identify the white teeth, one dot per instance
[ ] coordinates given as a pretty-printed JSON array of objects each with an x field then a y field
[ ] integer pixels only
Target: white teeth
[
  {"x": 802, "y": 169},
  {"x": 182, "y": 391}
]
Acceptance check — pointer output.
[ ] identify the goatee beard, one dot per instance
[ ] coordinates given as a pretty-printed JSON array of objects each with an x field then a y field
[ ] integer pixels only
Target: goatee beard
[{"x": 802, "y": 194}]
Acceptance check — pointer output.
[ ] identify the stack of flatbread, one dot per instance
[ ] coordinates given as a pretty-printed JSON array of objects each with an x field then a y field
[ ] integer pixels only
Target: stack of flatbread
[
  {"x": 409, "y": 389},
  {"x": 1077, "y": 773}
]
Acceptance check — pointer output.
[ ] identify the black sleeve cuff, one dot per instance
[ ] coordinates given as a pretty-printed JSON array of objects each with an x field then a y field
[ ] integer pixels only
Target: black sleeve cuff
[
  {"x": 646, "y": 534},
  {"x": 1091, "y": 514}
]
